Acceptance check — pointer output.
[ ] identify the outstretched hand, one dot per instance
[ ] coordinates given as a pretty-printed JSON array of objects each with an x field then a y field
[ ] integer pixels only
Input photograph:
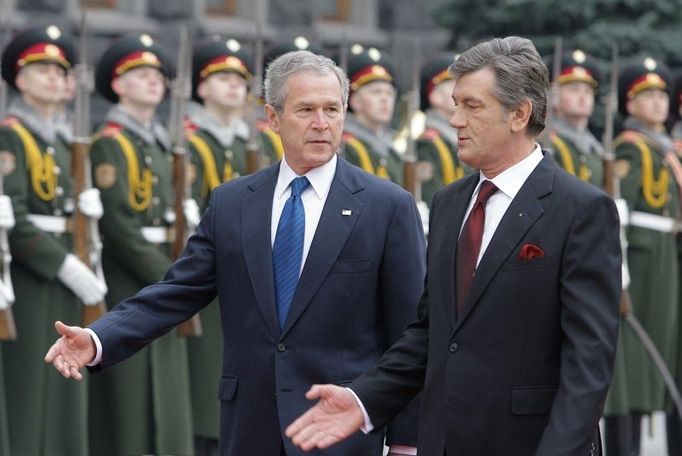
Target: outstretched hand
[
  {"x": 71, "y": 352},
  {"x": 334, "y": 418}
]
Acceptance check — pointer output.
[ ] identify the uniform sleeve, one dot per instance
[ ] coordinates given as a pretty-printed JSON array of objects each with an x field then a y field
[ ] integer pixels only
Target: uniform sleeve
[
  {"x": 196, "y": 175},
  {"x": 629, "y": 156},
  {"x": 35, "y": 250},
  {"x": 120, "y": 226},
  {"x": 426, "y": 151},
  {"x": 403, "y": 270}
]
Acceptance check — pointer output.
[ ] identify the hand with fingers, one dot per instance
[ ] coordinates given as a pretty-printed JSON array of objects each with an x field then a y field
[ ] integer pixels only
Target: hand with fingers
[
  {"x": 335, "y": 417},
  {"x": 72, "y": 351}
]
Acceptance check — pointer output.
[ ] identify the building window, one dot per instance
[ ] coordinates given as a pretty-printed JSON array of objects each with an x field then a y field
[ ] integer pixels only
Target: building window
[
  {"x": 100, "y": 4},
  {"x": 334, "y": 10},
  {"x": 226, "y": 7}
]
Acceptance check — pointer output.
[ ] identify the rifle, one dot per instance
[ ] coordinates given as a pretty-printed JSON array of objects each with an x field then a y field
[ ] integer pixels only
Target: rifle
[
  {"x": 253, "y": 146},
  {"x": 87, "y": 245},
  {"x": 546, "y": 140},
  {"x": 181, "y": 89},
  {"x": 414, "y": 173},
  {"x": 612, "y": 187},
  {"x": 8, "y": 329}
]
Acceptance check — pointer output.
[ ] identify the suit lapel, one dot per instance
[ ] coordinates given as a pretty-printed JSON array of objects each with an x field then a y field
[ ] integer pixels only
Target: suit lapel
[
  {"x": 454, "y": 207},
  {"x": 330, "y": 237},
  {"x": 524, "y": 211},
  {"x": 256, "y": 213}
]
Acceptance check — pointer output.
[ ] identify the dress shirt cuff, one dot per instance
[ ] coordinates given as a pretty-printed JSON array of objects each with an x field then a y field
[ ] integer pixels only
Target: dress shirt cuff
[
  {"x": 98, "y": 345},
  {"x": 402, "y": 449},
  {"x": 368, "y": 426}
]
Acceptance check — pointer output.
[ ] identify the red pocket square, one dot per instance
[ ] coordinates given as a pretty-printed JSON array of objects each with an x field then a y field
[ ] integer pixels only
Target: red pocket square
[{"x": 530, "y": 251}]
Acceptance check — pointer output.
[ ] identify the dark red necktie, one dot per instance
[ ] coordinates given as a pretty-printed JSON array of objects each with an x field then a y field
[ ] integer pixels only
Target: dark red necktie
[{"x": 469, "y": 244}]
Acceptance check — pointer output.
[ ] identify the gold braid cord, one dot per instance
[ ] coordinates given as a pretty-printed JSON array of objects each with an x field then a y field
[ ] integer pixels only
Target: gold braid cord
[
  {"x": 450, "y": 172},
  {"x": 139, "y": 190},
  {"x": 655, "y": 190},
  {"x": 211, "y": 179},
  {"x": 41, "y": 166}
]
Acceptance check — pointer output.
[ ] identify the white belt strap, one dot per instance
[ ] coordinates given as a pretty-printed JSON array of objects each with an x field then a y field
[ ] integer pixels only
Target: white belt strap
[
  {"x": 48, "y": 223},
  {"x": 654, "y": 222},
  {"x": 156, "y": 234}
]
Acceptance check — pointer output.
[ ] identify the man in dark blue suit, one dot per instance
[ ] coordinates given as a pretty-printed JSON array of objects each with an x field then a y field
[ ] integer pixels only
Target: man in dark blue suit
[
  {"x": 515, "y": 343},
  {"x": 318, "y": 267}
]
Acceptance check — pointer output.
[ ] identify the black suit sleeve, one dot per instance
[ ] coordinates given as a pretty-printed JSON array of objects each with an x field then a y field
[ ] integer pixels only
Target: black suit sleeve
[
  {"x": 589, "y": 291},
  {"x": 402, "y": 277}
]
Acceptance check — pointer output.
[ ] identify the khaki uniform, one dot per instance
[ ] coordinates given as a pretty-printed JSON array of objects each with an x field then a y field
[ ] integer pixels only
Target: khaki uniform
[
  {"x": 46, "y": 412},
  {"x": 141, "y": 406}
]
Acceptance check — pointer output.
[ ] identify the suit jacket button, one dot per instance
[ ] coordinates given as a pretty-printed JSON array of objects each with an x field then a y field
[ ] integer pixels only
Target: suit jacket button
[
  {"x": 281, "y": 347},
  {"x": 454, "y": 347}
]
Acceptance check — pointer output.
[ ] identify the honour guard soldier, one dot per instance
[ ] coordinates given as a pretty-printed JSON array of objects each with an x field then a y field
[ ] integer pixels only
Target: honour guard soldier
[
  {"x": 271, "y": 142},
  {"x": 438, "y": 143},
  {"x": 367, "y": 136},
  {"x": 217, "y": 138},
  {"x": 650, "y": 177},
  {"x": 217, "y": 132},
  {"x": 46, "y": 415},
  {"x": 143, "y": 405},
  {"x": 574, "y": 147}
]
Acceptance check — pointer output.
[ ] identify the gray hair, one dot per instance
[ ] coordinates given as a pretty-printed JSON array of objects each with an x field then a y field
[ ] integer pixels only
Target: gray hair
[
  {"x": 520, "y": 74},
  {"x": 282, "y": 68}
]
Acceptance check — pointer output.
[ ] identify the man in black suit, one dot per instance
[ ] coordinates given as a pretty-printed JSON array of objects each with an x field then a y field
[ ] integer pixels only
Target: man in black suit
[
  {"x": 318, "y": 267},
  {"x": 517, "y": 358}
]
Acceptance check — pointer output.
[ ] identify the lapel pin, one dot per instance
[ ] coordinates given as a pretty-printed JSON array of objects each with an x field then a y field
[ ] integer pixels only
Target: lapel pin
[{"x": 346, "y": 212}]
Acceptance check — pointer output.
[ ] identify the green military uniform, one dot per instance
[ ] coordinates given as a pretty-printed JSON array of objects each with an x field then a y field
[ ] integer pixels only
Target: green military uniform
[
  {"x": 218, "y": 154},
  {"x": 46, "y": 412},
  {"x": 578, "y": 152},
  {"x": 141, "y": 406},
  {"x": 438, "y": 142},
  {"x": 360, "y": 146},
  {"x": 653, "y": 197},
  {"x": 4, "y": 431}
]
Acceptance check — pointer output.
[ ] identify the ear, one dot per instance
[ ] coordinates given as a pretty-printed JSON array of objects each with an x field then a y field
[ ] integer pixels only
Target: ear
[
  {"x": 118, "y": 86},
  {"x": 521, "y": 116},
  {"x": 273, "y": 117},
  {"x": 201, "y": 89},
  {"x": 20, "y": 81}
]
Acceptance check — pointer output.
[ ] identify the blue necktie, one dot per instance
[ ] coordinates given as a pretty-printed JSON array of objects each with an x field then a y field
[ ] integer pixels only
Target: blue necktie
[{"x": 287, "y": 252}]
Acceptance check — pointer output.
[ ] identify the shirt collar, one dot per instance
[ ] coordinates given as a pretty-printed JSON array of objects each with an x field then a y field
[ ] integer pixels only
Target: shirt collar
[
  {"x": 320, "y": 178},
  {"x": 512, "y": 179}
]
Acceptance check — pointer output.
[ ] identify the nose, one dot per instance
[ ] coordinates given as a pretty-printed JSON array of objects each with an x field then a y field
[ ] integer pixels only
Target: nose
[
  {"x": 319, "y": 120},
  {"x": 457, "y": 119}
]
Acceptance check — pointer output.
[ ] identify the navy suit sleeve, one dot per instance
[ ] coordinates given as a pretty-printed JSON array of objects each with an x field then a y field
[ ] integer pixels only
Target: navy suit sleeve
[
  {"x": 188, "y": 286},
  {"x": 589, "y": 291},
  {"x": 402, "y": 279}
]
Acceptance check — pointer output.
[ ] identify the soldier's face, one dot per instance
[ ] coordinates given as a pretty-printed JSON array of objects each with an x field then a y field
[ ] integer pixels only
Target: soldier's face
[
  {"x": 484, "y": 126},
  {"x": 142, "y": 85},
  {"x": 227, "y": 90},
  {"x": 440, "y": 97},
  {"x": 650, "y": 107},
  {"x": 311, "y": 121},
  {"x": 42, "y": 83},
  {"x": 374, "y": 102},
  {"x": 576, "y": 100}
]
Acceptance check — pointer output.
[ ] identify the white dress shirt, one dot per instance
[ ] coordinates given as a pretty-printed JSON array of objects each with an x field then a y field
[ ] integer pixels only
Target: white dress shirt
[{"x": 508, "y": 182}]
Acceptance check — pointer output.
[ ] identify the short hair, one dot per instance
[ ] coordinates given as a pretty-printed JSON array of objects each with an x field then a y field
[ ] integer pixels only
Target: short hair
[
  {"x": 520, "y": 74},
  {"x": 296, "y": 62}
]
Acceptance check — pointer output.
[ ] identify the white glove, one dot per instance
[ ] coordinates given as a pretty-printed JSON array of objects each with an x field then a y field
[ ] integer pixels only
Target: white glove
[
  {"x": 90, "y": 204},
  {"x": 423, "y": 209},
  {"x": 81, "y": 280},
  {"x": 623, "y": 211},
  {"x": 6, "y": 213},
  {"x": 192, "y": 214},
  {"x": 6, "y": 295}
]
